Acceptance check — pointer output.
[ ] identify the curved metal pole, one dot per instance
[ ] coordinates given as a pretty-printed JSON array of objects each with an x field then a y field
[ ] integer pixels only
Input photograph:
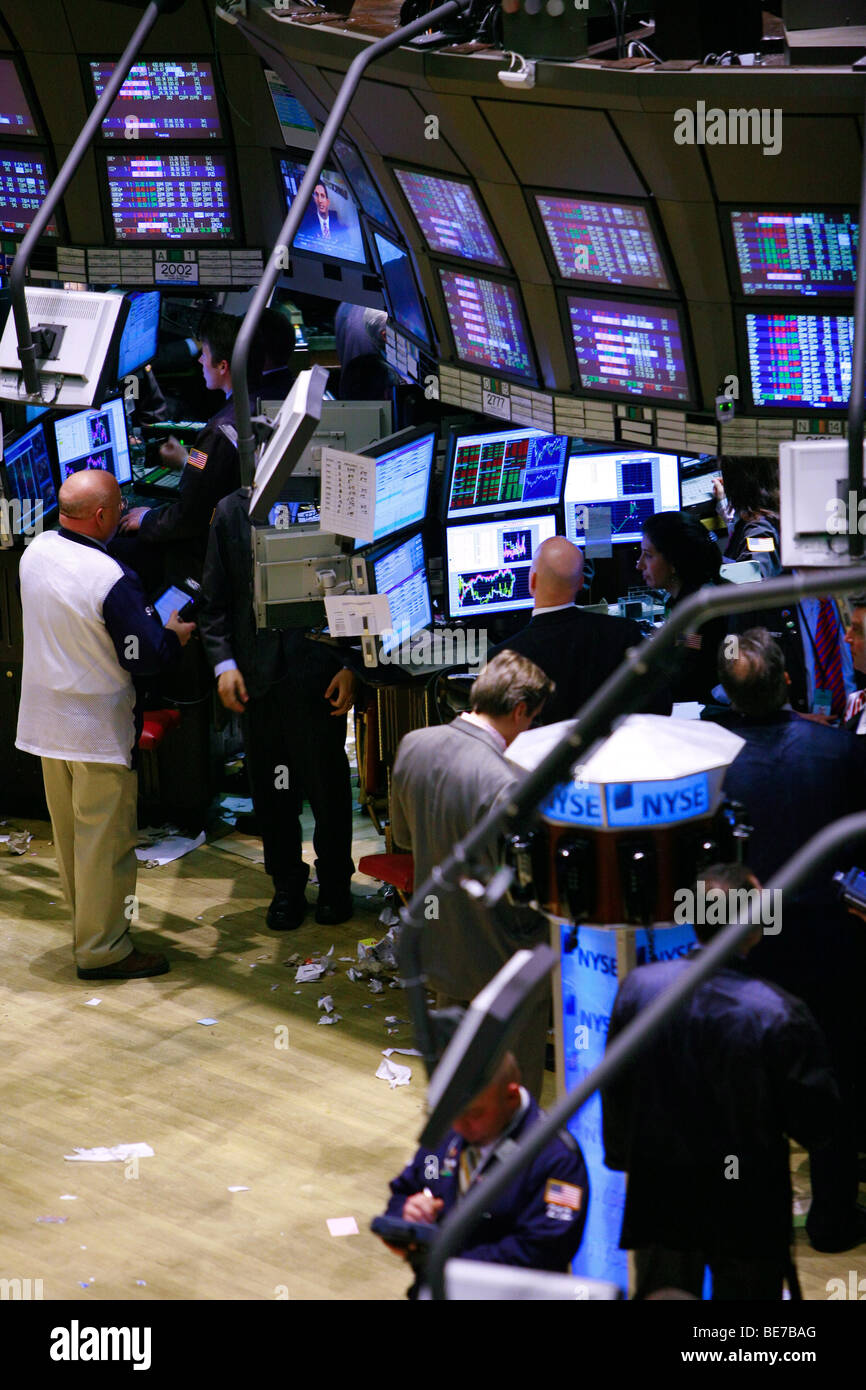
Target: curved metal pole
[
  {"x": 283, "y": 247},
  {"x": 625, "y": 1047}
]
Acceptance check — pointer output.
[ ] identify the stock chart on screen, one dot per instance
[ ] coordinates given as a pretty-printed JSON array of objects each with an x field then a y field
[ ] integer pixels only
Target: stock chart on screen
[
  {"x": 505, "y": 470},
  {"x": 488, "y": 564}
]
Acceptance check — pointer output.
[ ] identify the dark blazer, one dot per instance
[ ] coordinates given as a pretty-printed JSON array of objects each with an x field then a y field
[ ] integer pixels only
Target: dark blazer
[{"x": 578, "y": 650}]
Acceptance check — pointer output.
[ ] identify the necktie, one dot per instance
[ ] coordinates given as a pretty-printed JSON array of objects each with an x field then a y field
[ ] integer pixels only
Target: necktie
[
  {"x": 325, "y": 229},
  {"x": 829, "y": 674},
  {"x": 469, "y": 1161}
]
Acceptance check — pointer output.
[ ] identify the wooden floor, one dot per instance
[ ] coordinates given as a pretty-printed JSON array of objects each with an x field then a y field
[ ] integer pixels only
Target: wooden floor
[{"x": 308, "y": 1129}]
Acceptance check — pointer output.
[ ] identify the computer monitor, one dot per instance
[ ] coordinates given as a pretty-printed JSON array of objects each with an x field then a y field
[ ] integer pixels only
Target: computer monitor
[
  {"x": 161, "y": 99},
  {"x": 331, "y": 203},
  {"x": 488, "y": 562},
  {"x": 140, "y": 334},
  {"x": 296, "y": 124},
  {"x": 628, "y": 349},
  {"x": 797, "y": 360},
  {"x": 633, "y": 485},
  {"x": 404, "y": 466},
  {"x": 401, "y": 291},
  {"x": 362, "y": 183},
  {"x": 400, "y": 572},
  {"x": 487, "y": 323},
  {"x": 94, "y": 439},
  {"x": 696, "y": 481},
  {"x": 77, "y": 333},
  {"x": 792, "y": 253},
  {"x": 23, "y": 186},
  {"x": 30, "y": 476},
  {"x": 16, "y": 118},
  {"x": 161, "y": 197},
  {"x": 504, "y": 470},
  {"x": 605, "y": 241},
  {"x": 450, "y": 217}
]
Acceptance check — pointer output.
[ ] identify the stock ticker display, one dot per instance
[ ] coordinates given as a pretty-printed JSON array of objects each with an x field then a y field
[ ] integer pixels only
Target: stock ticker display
[
  {"x": 173, "y": 100},
  {"x": 507, "y": 470},
  {"x": 23, "y": 186},
  {"x": 450, "y": 217},
  {"x": 800, "y": 359},
  {"x": 486, "y": 324},
  {"x": 796, "y": 253},
  {"x": 16, "y": 118},
  {"x": 488, "y": 564},
  {"x": 608, "y": 242},
  {"x": 629, "y": 349},
  {"x": 177, "y": 197}
]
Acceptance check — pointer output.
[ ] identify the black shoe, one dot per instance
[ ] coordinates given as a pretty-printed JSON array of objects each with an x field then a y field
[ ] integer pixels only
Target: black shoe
[
  {"x": 332, "y": 912},
  {"x": 136, "y": 966},
  {"x": 287, "y": 911},
  {"x": 854, "y": 1235}
]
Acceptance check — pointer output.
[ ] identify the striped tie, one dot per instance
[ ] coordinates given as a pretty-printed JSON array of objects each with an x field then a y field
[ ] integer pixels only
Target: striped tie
[
  {"x": 469, "y": 1161},
  {"x": 829, "y": 676}
]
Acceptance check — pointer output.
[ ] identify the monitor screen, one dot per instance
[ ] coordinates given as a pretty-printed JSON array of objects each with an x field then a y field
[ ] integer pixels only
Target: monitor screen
[
  {"x": 402, "y": 575},
  {"x": 94, "y": 439},
  {"x": 505, "y": 471},
  {"x": 629, "y": 349},
  {"x": 403, "y": 471},
  {"x": 601, "y": 240},
  {"x": 140, "y": 333},
  {"x": 29, "y": 475},
  {"x": 330, "y": 224},
  {"x": 450, "y": 217},
  {"x": 696, "y": 481},
  {"x": 796, "y": 253},
  {"x": 404, "y": 302},
  {"x": 486, "y": 323},
  {"x": 296, "y": 123},
  {"x": 16, "y": 118},
  {"x": 161, "y": 100},
  {"x": 488, "y": 564},
  {"x": 163, "y": 197},
  {"x": 632, "y": 485},
  {"x": 362, "y": 184},
  {"x": 23, "y": 186},
  {"x": 800, "y": 359}
]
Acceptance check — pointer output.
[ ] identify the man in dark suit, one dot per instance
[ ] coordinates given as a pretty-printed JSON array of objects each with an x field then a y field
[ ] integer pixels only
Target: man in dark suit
[
  {"x": 294, "y": 696},
  {"x": 577, "y": 650},
  {"x": 794, "y": 777},
  {"x": 321, "y": 221}
]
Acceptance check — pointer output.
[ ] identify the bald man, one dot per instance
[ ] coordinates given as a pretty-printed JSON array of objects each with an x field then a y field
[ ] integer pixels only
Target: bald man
[
  {"x": 576, "y": 649},
  {"x": 89, "y": 638}
]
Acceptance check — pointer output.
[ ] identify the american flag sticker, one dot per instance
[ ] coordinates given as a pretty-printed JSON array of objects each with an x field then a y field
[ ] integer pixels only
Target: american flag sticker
[
  {"x": 563, "y": 1194},
  {"x": 196, "y": 458}
]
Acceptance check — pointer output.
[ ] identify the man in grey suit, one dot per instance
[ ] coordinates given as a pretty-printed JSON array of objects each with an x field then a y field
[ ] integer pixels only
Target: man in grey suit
[{"x": 444, "y": 780}]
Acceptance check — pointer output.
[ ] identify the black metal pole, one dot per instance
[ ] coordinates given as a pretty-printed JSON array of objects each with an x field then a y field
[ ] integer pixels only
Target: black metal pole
[
  {"x": 283, "y": 248},
  {"x": 17, "y": 275},
  {"x": 624, "y": 1048},
  {"x": 858, "y": 384}
]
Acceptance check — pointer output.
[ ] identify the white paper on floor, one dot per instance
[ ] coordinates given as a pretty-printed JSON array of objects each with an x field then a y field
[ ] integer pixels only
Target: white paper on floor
[
  {"x": 403, "y": 1051},
  {"x": 167, "y": 850},
  {"x": 343, "y": 1226},
  {"x": 239, "y": 1189},
  {"x": 117, "y": 1154},
  {"x": 394, "y": 1073}
]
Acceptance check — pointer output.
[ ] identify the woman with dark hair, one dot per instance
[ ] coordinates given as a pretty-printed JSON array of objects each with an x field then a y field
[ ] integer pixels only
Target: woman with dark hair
[
  {"x": 750, "y": 486},
  {"x": 678, "y": 556}
]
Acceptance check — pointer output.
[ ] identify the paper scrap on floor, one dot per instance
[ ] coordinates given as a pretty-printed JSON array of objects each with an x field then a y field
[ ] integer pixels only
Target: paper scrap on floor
[
  {"x": 167, "y": 850},
  {"x": 343, "y": 1226},
  {"x": 394, "y": 1073},
  {"x": 117, "y": 1154}
]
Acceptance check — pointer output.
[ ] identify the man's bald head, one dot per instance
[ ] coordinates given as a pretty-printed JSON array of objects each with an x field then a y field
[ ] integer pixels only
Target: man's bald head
[
  {"x": 557, "y": 572},
  {"x": 90, "y": 503}
]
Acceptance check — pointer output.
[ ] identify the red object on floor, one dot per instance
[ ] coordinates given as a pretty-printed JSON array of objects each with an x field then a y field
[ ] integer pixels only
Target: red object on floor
[
  {"x": 157, "y": 723},
  {"x": 396, "y": 869}
]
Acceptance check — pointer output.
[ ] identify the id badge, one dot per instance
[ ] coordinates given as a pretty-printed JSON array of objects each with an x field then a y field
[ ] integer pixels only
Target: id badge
[{"x": 823, "y": 702}]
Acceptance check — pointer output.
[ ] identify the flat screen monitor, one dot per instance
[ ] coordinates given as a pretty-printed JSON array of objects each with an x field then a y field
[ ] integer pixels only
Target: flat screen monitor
[
  {"x": 401, "y": 291},
  {"x": 696, "y": 481},
  {"x": 603, "y": 241},
  {"x": 404, "y": 467},
  {"x": 486, "y": 323},
  {"x": 488, "y": 564},
  {"x": 169, "y": 197},
  {"x": 401, "y": 573},
  {"x": 30, "y": 477},
  {"x": 632, "y": 485},
  {"x": 140, "y": 333},
  {"x": 330, "y": 225},
  {"x": 788, "y": 254},
  {"x": 363, "y": 186},
  {"x": 94, "y": 439},
  {"x": 172, "y": 99},
  {"x": 504, "y": 471},
  {"x": 628, "y": 349},
  {"x": 16, "y": 118},
  {"x": 296, "y": 124},
  {"x": 799, "y": 360},
  {"x": 450, "y": 217},
  {"x": 23, "y": 186}
]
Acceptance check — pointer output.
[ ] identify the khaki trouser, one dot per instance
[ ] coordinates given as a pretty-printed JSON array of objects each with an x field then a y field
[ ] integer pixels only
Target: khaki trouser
[{"x": 93, "y": 816}]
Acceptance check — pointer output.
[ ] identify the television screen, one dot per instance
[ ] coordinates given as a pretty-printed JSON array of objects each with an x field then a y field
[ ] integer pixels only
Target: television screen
[
  {"x": 296, "y": 123},
  {"x": 631, "y": 485},
  {"x": 450, "y": 217},
  {"x": 362, "y": 184},
  {"x": 789, "y": 254},
  {"x": 601, "y": 240},
  {"x": 174, "y": 99},
  {"x": 800, "y": 359},
  {"x": 16, "y": 118},
  {"x": 486, "y": 323},
  {"x": 504, "y": 471},
  {"x": 402, "y": 574},
  {"x": 23, "y": 186},
  {"x": 629, "y": 349},
  {"x": 330, "y": 225},
  {"x": 94, "y": 439},
  {"x": 488, "y": 564},
  {"x": 30, "y": 477},
  {"x": 401, "y": 292},
  {"x": 140, "y": 333},
  {"x": 163, "y": 197}
]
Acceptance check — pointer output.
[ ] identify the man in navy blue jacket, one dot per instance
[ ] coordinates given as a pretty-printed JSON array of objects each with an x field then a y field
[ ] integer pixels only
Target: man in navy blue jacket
[{"x": 538, "y": 1221}]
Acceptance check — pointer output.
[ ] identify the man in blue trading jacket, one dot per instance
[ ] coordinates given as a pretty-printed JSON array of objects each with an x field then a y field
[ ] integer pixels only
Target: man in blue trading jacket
[
  {"x": 88, "y": 638},
  {"x": 538, "y": 1221}
]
